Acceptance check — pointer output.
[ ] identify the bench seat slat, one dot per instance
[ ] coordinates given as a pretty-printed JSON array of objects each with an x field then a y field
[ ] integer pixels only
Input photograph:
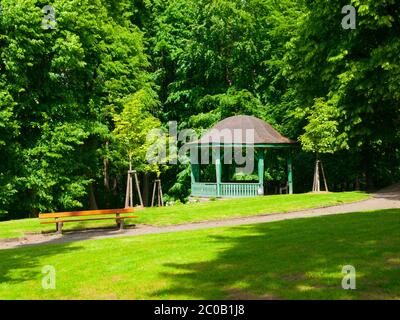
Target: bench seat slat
[
  {"x": 85, "y": 213},
  {"x": 89, "y": 219}
]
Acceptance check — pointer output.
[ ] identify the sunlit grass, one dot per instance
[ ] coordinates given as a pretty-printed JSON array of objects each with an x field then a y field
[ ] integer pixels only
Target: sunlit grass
[
  {"x": 293, "y": 259},
  {"x": 214, "y": 210}
]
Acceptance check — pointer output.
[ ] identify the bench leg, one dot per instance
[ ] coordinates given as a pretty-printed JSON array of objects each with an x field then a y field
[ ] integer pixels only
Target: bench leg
[
  {"x": 59, "y": 227},
  {"x": 120, "y": 224}
]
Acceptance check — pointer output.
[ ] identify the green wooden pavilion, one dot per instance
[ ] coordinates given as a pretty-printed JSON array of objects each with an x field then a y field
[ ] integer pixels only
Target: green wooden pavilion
[{"x": 233, "y": 134}]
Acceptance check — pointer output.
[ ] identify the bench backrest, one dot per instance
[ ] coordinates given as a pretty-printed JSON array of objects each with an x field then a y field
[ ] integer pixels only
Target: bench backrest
[{"x": 84, "y": 213}]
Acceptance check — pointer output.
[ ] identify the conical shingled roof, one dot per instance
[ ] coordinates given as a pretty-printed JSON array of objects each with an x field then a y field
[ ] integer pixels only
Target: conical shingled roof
[{"x": 239, "y": 130}]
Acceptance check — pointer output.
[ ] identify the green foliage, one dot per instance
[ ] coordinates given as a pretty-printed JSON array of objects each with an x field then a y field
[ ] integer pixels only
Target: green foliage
[
  {"x": 58, "y": 89},
  {"x": 8, "y": 129},
  {"x": 213, "y": 52},
  {"x": 133, "y": 127},
  {"x": 321, "y": 132},
  {"x": 179, "y": 189},
  {"x": 355, "y": 72},
  {"x": 245, "y": 177},
  {"x": 76, "y": 100}
]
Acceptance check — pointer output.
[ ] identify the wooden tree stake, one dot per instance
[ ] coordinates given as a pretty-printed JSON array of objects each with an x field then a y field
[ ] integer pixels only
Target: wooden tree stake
[
  {"x": 157, "y": 188},
  {"x": 129, "y": 189},
  {"x": 316, "y": 182}
]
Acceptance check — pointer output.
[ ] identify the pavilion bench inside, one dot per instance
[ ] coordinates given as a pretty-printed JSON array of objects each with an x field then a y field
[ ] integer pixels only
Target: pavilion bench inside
[{"x": 59, "y": 218}]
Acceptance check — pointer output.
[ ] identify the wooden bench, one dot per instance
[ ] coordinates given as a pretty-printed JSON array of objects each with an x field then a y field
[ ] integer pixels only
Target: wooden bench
[{"x": 60, "y": 218}]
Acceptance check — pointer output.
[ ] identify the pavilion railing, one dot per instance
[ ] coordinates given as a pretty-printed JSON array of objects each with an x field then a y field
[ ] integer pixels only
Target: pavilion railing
[
  {"x": 239, "y": 189},
  {"x": 203, "y": 189},
  {"x": 200, "y": 189}
]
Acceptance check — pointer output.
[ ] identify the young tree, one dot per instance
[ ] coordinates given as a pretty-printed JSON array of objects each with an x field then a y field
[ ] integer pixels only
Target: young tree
[
  {"x": 132, "y": 130},
  {"x": 322, "y": 134}
]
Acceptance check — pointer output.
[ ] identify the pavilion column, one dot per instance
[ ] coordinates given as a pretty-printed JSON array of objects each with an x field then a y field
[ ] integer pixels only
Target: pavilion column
[
  {"x": 194, "y": 165},
  {"x": 261, "y": 165},
  {"x": 195, "y": 172},
  {"x": 290, "y": 173},
  {"x": 218, "y": 170}
]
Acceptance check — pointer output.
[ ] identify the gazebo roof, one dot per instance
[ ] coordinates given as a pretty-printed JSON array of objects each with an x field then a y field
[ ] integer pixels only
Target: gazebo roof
[{"x": 233, "y": 130}]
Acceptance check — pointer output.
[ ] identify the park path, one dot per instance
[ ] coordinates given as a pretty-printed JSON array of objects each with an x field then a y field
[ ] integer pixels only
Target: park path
[{"x": 388, "y": 198}]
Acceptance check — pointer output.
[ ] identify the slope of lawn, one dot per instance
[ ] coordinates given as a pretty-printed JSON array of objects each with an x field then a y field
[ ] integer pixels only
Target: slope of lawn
[
  {"x": 213, "y": 210},
  {"x": 292, "y": 259}
]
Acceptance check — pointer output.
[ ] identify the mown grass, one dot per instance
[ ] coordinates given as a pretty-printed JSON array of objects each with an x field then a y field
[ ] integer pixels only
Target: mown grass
[
  {"x": 293, "y": 259},
  {"x": 214, "y": 210}
]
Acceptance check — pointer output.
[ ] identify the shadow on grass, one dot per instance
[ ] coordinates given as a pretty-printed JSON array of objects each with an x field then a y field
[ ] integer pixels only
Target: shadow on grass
[
  {"x": 25, "y": 263},
  {"x": 80, "y": 225},
  {"x": 297, "y": 259},
  {"x": 84, "y": 227},
  {"x": 22, "y": 263}
]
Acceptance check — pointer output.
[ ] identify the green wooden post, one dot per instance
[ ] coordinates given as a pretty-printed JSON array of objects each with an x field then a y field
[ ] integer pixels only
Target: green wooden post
[
  {"x": 194, "y": 165},
  {"x": 218, "y": 170},
  {"x": 290, "y": 173},
  {"x": 260, "y": 158},
  {"x": 195, "y": 172}
]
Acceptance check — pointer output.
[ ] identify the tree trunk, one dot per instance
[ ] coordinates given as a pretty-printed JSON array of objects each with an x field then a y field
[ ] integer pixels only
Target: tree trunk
[
  {"x": 146, "y": 189},
  {"x": 105, "y": 171},
  {"x": 357, "y": 185},
  {"x": 92, "y": 198},
  {"x": 367, "y": 169},
  {"x": 34, "y": 213}
]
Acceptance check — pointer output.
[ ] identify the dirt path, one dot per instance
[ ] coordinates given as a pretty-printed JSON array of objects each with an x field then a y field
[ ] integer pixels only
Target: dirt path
[{"x": 385, "y": 199}]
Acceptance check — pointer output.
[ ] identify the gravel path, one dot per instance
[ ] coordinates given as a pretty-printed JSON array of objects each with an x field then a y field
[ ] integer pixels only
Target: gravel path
[{"x": 385, "y": 199}]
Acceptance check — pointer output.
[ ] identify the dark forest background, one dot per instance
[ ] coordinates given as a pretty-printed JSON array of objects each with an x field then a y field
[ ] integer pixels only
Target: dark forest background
[{"x": 66, "y": 94}]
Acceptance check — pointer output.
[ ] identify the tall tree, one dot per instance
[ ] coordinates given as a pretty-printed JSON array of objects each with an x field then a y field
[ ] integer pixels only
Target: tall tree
[
  {"x": 356, "y": 71},
  {"x": 60, "y": 87}
]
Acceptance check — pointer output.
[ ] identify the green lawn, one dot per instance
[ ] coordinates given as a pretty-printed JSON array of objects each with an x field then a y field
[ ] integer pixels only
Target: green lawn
[
  {"x": 214, "y": 210},
  {"x": 292, "y": 259}
]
